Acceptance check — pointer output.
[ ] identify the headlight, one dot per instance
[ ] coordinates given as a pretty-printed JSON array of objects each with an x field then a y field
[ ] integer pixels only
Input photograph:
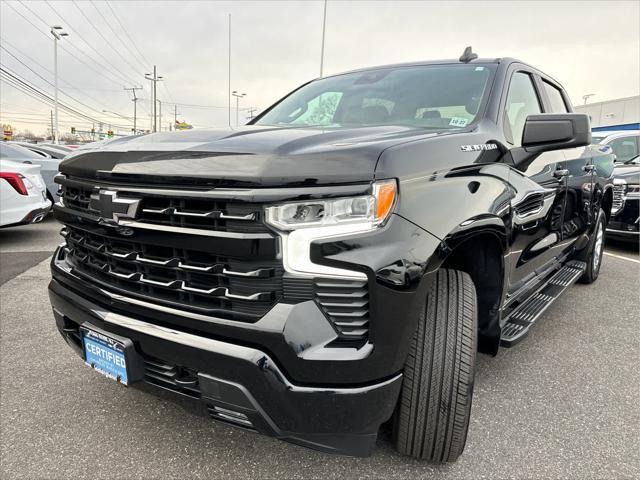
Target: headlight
[
  {"x": 302, "y": 223},
  {"x": 368, "y": 209},
  {"x": 633, "y": 190}
]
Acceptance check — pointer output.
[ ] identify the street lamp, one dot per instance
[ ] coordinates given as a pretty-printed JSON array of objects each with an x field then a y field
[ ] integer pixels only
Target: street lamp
[
  {"x": 238, "y": 97},
  {"x": 57, "y": 35},
  {"x": 586, "y": 97}
]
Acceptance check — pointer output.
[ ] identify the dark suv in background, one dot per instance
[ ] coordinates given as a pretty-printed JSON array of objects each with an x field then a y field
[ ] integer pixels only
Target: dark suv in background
[
  {"x": 337, "y": 262},
  {"x": 625, "y": 211}
]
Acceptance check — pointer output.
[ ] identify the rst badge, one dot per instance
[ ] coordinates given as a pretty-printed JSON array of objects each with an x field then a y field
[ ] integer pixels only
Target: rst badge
[
  {"x": 111, "y": 207},
  {"x": 478, "y": 148}
]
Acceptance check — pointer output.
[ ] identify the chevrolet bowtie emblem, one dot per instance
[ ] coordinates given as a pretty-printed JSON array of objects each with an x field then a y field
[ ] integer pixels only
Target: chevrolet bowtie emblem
[{"x": 112, "y": 207}]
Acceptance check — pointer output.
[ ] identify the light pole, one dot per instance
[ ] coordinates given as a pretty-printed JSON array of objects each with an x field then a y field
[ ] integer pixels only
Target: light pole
[
  {"x": 586, "y": 97},
  {"x": 238, "y": 97},
  {"x": 57, "y": 35},
  {"x": 324, "y": 27},
  {"x": 154, "y": 80}
]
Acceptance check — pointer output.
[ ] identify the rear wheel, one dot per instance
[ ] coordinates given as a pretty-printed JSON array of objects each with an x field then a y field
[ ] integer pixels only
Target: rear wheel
[
  {"x": 592, "y": 254},
  {"x": 432, "y": 418}
]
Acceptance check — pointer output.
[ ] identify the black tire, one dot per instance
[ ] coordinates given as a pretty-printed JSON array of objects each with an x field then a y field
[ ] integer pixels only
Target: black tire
[
  {"x": 592, "y": 253},
  {"x": 432, "y": 417}
]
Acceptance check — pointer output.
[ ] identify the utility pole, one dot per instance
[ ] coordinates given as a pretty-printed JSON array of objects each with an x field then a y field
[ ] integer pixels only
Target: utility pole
[
  {"x": 160, "y": 122},
  {"x": 134, "y": 100},
  {"x": 250, "y": 112},
  {"x": 238, "y": 97},
  {"x": 57, "y": 35},
  {"x": 51, "y": 124},
  {"x": 154, "y": 80},
  {"x": 175, "y": 115},
  {"x": 229, "y": 84},
  {"x": 324, "y": 24}
]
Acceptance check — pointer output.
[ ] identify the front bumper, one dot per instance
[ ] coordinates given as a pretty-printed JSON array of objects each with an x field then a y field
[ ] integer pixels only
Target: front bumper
[
  {"x": 626, "y": 223},
  {"x": 239, "y": 384},
  {"x": 279, "y": 374}
]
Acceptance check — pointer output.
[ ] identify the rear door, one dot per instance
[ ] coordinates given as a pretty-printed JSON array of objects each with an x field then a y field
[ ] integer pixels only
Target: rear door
[
  {"x": 538, "y": 202},
  {"x": 580, "y": 171}
]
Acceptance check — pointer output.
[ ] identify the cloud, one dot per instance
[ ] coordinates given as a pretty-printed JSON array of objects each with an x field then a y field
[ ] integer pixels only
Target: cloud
[{"x": 591, "y": 47}]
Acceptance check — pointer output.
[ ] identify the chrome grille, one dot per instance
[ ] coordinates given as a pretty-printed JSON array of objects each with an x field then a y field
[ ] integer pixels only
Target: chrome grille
[
  {"x": 199, "y": 281},
  {"x": 619, "y": 190},
  {"x": 346, "y": 304},
  {"x": 187, "y": 212}
]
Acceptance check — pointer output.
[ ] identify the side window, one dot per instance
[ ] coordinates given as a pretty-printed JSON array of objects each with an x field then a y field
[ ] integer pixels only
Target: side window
[
  {"x": 522, "y": 101},
  {"x": 624, "y": 148},
  {"x": 555, "y": 98}
]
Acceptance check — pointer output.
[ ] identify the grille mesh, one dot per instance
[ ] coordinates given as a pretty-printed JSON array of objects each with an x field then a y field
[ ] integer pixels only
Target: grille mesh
[
  {"x": 618, "y": 197},
  {"x": 124, "y": 265}
]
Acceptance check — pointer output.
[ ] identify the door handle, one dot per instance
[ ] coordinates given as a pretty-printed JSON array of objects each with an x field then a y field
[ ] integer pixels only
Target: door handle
[
  {"x": 561, "y": 172},
  {"x": 588, "y": 168}
]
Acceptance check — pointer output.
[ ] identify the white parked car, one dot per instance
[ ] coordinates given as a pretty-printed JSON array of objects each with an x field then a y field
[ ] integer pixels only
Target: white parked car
[
  {"x": 23, "y": 195},
  {"x": 49, "y": 165}
]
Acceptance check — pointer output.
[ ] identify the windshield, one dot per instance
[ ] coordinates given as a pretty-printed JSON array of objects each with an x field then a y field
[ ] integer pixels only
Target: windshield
[
  {"x": 16, "y": 151},
  {"x": 429, "y": 96}
]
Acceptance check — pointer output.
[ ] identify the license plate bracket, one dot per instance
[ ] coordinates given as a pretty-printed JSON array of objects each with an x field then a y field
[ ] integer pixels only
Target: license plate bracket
[{"x": 111, "y": 355}]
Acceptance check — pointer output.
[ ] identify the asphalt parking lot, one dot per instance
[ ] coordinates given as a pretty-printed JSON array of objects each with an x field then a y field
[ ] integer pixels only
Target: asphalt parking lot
[{"x": 562, "y": 404}]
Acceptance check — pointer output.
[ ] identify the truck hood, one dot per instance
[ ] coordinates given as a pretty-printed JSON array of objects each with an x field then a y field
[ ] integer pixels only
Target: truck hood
[
  {"x": 629, "y": 173},
  {"x": 246, "y": 157}
]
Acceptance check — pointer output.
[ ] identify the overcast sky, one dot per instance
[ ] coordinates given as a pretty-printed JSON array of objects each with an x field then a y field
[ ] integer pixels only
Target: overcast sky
[{"x": 589, "y": 46}]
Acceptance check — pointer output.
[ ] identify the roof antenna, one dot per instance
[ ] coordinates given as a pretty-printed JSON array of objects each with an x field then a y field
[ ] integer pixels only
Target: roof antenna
[{"x": 468, "y": 55}]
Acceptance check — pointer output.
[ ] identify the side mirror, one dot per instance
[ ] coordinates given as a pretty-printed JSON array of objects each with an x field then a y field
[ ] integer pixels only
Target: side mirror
[{"x": 551, "y": 131}]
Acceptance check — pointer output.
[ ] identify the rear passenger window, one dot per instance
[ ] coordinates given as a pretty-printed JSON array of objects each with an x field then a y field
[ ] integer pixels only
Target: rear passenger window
[
  {"x": 522, "y": 101},
  {"x": 555, "y": 98}
]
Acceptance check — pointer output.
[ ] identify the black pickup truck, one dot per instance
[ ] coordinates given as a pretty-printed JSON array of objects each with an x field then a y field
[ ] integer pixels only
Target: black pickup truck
[{"x": 338, "y": 262}]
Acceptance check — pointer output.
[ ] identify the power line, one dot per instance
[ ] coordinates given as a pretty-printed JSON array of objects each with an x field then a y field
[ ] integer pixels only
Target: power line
[
  {"x": 61, "y": 91},
  {"x": 116, "y": 35},
  {"x": 146, "y": 62},
  {"x": 103, "y": 69},
  {"x": 100, "y": 33},
  {"x": 191, "y": 105},
  {"x": 101, "y": 73},
  {"x": 17, "y": 82},
  {"x": 115, "y": 71},
  {"x": 133, "y": 43}
]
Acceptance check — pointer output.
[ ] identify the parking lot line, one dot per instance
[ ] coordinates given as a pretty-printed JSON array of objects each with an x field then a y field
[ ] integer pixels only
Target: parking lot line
[{"x": 622, "y": 257}]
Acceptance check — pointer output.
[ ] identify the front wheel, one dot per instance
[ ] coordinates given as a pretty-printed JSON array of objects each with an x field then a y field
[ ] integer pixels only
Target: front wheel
[
  {"x": 592, "y": 254},
  {"x": 432, "y": 418}
]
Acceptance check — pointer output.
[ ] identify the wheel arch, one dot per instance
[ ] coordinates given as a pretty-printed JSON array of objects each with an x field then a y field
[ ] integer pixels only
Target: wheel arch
[{"x": 481, "y": 254}]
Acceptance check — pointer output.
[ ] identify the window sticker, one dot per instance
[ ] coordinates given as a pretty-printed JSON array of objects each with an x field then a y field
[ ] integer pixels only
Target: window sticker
[
  {"x": 479, "y": 69},
  {"x": 458, "y": 122}
]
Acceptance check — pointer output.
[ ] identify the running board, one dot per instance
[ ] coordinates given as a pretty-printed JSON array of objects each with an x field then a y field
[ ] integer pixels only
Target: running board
[{"x": 525, "y": 315}]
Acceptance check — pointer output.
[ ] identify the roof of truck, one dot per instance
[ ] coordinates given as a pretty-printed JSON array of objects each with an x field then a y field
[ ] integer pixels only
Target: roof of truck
[{"x": 451, "y": 61}]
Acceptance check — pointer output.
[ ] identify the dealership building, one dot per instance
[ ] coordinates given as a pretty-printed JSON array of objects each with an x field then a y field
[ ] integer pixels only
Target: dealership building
[{"x": 619, "y": 114}]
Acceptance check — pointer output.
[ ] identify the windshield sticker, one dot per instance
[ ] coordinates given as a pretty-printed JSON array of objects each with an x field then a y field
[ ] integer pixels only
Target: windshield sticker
[
  {"x": 458, "y": 122},
  {"x": 479, "y": 69}
]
